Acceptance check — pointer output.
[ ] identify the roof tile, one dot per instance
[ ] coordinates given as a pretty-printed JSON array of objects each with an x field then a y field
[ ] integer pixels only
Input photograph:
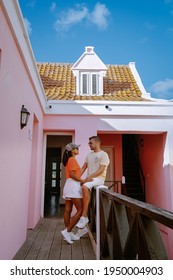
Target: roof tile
[{"x": 60, "y": 83}]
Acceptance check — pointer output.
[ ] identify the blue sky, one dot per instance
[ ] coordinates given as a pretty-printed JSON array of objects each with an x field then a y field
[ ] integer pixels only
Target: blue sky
[{"x": 121, "y": 31}]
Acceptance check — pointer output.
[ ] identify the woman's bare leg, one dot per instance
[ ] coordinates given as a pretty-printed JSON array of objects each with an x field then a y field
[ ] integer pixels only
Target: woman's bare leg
[
  {"x": 67, "y": 212},
  {"x": 78, "y": 204}
]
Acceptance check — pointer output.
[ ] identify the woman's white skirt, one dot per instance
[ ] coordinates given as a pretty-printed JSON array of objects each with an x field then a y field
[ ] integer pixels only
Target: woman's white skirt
[{"x": 72, "y": 189}]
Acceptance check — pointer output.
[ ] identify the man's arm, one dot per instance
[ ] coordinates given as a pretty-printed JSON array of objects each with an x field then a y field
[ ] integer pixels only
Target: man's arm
[
  {"x": 98, "y": 172},
  {"x": 83, "y": 168},
  {"x": 76, "y": 178}
]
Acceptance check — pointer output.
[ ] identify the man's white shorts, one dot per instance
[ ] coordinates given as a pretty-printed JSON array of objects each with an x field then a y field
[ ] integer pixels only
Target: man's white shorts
[{"x": 96, "y": 182}]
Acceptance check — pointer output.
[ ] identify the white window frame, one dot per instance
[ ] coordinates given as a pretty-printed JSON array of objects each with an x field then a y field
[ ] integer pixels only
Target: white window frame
[
  {"x": 85, "y": 87},
  {"x": 89, "y": 90},
  {"x": 95, "y": 87}
]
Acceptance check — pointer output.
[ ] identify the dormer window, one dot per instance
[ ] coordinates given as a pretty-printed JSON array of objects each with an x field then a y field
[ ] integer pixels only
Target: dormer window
[
  {"x": 89, "y": 71},
  {"x": 89, "y": 83}
]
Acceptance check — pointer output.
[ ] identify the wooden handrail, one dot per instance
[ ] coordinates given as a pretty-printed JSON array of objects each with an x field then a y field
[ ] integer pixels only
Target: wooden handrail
[
  {"x": 117, "y": 184},
  {"x": 129, "y": 229},
  {"x": 155, "y": 213}
]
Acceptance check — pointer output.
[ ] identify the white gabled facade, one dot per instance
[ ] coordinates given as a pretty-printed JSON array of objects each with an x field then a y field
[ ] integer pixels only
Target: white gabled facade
[{"x": 89, "y": 71}]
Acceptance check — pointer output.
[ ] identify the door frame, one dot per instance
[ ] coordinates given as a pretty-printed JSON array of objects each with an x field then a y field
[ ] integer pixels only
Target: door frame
[
  {"x": 45, "y": 135},
  {"x": 55, "y": 158},
  {"x": 110, "y": 151}
]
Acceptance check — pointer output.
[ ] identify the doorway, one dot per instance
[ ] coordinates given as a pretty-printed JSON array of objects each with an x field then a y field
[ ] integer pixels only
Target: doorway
[
  {"x": 52, "y": 181},
  {"x": 54, "y": 174}
]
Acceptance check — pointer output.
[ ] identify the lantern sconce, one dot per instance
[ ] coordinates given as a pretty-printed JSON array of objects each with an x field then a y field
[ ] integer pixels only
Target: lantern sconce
[{"x": 24, "y": 117}]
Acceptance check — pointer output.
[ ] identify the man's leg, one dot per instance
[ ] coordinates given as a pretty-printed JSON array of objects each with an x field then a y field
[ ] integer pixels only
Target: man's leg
[
  {"x": 86, "y": 200},
  {"x": 86, "y": 188},
  {"x": 86, "y": 192}
]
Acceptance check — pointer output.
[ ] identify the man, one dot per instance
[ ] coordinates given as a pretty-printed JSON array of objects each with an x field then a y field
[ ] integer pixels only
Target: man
[{"x": 96, "y": 164}]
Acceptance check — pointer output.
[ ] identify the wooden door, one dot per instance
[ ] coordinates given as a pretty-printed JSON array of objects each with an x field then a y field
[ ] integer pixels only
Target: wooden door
[
  {"x": 110, "y": 170},
  {"x": 53, "y": 171}
]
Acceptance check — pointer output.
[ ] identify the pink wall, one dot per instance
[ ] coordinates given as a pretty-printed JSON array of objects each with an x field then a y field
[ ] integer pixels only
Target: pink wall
[
  {"x": 35, "y": 192},
  {"x": 157, "y": 185},
  {"x": 16, "y": 145}
]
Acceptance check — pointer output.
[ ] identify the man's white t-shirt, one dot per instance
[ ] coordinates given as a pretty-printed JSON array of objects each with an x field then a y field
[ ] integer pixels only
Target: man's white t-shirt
[{"x": 94, "y": 160}]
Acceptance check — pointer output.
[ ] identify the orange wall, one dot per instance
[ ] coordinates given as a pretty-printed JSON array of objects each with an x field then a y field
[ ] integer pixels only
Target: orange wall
[{"x": 114, "y": 140}]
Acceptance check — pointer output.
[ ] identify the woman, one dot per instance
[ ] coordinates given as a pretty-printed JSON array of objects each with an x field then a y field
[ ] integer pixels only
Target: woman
[{"x": 72, "y": 192}]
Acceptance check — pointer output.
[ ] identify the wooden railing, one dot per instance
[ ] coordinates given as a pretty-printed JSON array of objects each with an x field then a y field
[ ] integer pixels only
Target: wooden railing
[
  {"x": 115, "y": 186},
  {"x": 129, "y": 229}
]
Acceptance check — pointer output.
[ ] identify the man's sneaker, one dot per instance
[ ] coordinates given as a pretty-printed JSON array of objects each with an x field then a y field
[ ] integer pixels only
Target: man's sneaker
[
  {"x": 81, "y": 232},
  {"x": 74, "y": 237},
  {"x": 67, "y": 236},
  {"x": 83, "y": 221}
]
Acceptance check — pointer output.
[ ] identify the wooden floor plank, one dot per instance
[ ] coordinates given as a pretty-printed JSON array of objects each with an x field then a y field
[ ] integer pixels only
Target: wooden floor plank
[
  {"x": 55, "y": 250},
  {"x": 88, "y": 253},
  {"x": 66, "y": 251},
  {"x": 77, "y": 253},
  {"x": 45, "y": 241},
  {"x": 36, "y": 246},
  {"x": 31, "y": 235}
]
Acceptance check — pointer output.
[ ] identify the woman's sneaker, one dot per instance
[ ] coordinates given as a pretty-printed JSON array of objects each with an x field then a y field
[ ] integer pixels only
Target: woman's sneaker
[
  {"x": 67, "y": 236},
  {"x": 83, "y": 221},
  {"x": 74, "y": 237},
  {"x": 81, "y": 232}
]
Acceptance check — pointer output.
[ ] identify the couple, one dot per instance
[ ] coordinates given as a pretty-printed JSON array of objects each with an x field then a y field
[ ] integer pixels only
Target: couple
[{"x": 77, "y": 190}]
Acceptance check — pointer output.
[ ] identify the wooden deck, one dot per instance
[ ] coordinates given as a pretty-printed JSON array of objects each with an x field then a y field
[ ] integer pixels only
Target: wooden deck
[{"x": 45, "y": 242}]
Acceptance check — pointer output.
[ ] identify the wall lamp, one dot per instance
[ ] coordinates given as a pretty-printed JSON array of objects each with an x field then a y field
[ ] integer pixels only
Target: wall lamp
[{"x": 24, "y": 117}]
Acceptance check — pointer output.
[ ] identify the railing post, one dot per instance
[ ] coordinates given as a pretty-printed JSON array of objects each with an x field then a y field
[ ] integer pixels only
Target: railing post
[{"x": 98, "y": 220}]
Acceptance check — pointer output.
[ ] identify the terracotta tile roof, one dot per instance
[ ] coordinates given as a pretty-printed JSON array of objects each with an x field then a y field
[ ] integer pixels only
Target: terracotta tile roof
[{"x": 60, "y": 83}]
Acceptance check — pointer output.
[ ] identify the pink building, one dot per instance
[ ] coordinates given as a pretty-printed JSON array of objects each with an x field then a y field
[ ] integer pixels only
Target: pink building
[{"x": 71, "y": 103}]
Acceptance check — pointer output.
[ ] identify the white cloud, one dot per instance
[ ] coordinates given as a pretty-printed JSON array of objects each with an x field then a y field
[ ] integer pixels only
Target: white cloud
[
  {"x": 163, "y": 89},
  {"x": 99, "y": 16},
  {"x": 69, "y": 18},
  {"x": 52, "y": 7},
  {"x": 80, "y": 13},
  {"x": 28, "y": 26}
]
